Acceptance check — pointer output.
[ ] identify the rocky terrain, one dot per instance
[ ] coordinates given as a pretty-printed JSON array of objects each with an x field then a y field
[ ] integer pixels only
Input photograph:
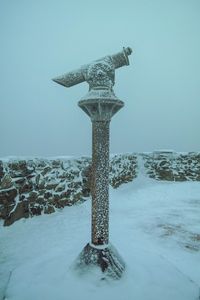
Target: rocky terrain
[{"x": 31, "y": 187}]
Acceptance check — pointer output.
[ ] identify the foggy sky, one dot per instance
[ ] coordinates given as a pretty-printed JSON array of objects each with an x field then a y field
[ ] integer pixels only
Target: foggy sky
[{"x": 42, "y": 39}]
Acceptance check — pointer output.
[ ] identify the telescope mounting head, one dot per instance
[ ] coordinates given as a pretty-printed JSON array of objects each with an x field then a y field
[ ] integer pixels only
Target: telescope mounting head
[{"x": 99, "y": 74}]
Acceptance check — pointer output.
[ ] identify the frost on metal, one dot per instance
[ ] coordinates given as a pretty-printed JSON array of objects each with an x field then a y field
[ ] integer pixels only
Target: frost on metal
[
  {"x": 107, "y": 259},
  {"x": 100, "y": 182},
  {"x": 94, "y": 70},
  {"x": 100, "y": 104}
]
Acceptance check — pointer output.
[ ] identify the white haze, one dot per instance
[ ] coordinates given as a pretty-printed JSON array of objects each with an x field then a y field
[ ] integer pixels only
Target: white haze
[{"x": 41, "y": 39}]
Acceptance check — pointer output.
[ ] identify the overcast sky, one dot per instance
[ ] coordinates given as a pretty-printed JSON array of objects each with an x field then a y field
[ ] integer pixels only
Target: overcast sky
[{"x": 41, "y": 39}]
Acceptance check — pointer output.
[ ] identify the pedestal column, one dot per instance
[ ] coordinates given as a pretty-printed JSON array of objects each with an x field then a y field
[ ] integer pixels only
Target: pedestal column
[
  {"x": 100, "y": 182},
  {"x": 100, "y": 252}
]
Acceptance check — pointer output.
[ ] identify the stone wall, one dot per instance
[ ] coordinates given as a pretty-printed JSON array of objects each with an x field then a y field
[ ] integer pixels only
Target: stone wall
[
  {"x": 36, "y": 186},
  {"x": 172, "y": 166},
  {"x": 123, "y": 169},
  {"x": 33, "y": 187}
]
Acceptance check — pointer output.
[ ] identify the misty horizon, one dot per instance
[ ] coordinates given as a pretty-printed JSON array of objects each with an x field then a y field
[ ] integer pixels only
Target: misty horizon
[{"x": 160, "y": 87}]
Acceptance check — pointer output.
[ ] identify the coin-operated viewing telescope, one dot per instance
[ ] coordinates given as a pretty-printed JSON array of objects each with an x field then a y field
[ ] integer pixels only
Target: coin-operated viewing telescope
[
  {"x": 100, "y": 75},
  {"x": 100, "y": 104},
  {"x": 110, "y": 63}
]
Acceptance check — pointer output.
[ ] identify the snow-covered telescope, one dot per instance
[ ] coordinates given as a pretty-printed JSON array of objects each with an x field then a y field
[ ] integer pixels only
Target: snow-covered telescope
[
  {"x": 77, "y": 76},
  {"x": 100, "y": 104}
]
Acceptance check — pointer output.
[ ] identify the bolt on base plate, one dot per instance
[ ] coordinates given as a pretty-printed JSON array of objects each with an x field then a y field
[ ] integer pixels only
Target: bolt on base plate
[{"x": 104, "y": 257}]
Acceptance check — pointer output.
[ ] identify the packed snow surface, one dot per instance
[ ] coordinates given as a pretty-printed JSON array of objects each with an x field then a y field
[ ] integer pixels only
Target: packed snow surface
[{"x": 155, "y": 226}]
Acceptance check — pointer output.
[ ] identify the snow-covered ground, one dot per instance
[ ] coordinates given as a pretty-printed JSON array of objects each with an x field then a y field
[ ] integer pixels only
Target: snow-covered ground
[{"x": 155, "y": 226}]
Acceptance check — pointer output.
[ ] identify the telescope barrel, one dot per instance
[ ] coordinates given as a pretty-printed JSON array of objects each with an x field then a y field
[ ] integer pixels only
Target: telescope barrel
[
  {"x": 71, "y": 78},
  {"x": 120, "y": 59},
  {"x": 77, "y": 76}
]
